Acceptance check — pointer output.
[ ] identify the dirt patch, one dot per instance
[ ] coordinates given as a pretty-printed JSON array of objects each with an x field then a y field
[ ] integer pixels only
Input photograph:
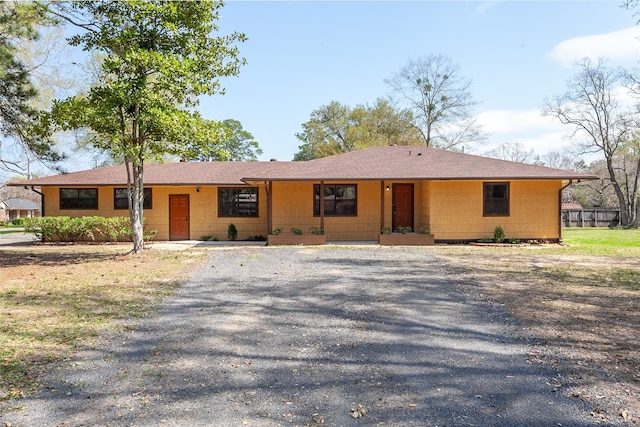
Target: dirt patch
[{"x": 584, "y": 312}]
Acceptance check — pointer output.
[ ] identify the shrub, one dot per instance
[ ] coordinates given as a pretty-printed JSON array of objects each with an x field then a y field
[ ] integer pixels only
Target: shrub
[
  {"x": 232, "y": 232},
  {"x": 19, "y": 222},
  {"x": 318, "y": 231},
  {"x": 498, "y": 234},
  {"x": 296, "y": 231},
  {"x": 277, "y": 231},
  {"x": 94, "y": 228}
]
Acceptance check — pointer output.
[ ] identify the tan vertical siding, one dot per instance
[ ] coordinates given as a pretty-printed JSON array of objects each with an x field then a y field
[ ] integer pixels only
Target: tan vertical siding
[{"x": 457, "y": 211}]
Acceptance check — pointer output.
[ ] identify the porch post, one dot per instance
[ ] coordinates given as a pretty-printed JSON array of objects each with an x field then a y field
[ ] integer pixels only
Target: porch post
[
  {"x": 268, "y": 187},
  {"x": 321, "y": 201},
  {"x": 381, "y": 205}
]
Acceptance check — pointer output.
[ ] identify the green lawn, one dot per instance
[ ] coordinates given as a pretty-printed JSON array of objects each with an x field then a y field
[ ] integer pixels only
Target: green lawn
[{"x": 603, "y": 241}]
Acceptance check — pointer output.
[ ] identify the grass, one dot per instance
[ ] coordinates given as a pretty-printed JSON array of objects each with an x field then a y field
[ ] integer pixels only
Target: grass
[
  {"x": 55, "y": 298},
  {"x": 601, "y": 241}
]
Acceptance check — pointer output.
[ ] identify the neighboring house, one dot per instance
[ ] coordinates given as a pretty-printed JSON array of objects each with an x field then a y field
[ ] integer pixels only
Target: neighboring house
[
  {"x": 460, "y": 197},
  {"x": 18, "y": 208}
]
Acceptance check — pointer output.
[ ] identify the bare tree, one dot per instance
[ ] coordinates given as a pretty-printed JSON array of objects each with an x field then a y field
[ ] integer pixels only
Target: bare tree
[
  {"x": 512, "y": 151},
  {"x": 440, "y": 100},
  {"x": 603, "y": 124}
]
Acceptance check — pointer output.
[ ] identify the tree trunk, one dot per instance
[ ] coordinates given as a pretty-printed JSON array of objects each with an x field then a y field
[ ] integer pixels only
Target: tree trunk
[
  {"x": 136, "y": 209},
  {"x": 635, "y": 207},
  {"x": 622, "y": 201}
]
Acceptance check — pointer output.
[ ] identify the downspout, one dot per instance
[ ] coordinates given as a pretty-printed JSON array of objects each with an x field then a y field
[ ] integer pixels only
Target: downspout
[
  {"x": 41, "y": 200},
  {"x": 560, "y": 209},
  {"x": 41, "y": 204}
]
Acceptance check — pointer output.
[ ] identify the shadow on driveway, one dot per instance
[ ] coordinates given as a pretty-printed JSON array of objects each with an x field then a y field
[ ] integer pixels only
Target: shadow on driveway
[{"x": 310, "y": 336}]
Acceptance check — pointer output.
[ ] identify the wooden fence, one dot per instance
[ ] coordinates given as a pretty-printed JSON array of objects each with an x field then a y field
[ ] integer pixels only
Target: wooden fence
[{"x": 600, "y": 217}]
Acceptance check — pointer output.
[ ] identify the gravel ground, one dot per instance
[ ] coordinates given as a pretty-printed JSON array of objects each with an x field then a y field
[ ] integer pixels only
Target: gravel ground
[{"x": 283, "y": 336}]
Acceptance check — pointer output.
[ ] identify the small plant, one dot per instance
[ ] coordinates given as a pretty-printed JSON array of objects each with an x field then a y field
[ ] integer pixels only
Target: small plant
[
  {"x": 498, "y": 235},
  {"x": 256, "y": 238},
  {"x": 277, "y": 231},
  {"x": 232, "y": 232},
  {"x": 296, "y": 231},
  {"x": 206, "y": 238},
  {"x": 404, "y": 230},
  {"x": 514, "y": 241},
  {"x": 385, "y": 230},
  {"x": 485, "y": 239},
  {"x": 318, "y": 231},
  {"x": 425, "y": 230}
]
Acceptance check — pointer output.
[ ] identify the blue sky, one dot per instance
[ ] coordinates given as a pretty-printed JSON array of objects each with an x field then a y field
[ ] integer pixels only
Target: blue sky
[{"x": 303, "y": 55}]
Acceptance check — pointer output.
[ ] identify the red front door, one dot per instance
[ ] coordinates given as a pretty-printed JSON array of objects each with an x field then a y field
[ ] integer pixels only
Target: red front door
[
  {"x": 402, "y": 206},
  {"x": 178, "y": 217}
]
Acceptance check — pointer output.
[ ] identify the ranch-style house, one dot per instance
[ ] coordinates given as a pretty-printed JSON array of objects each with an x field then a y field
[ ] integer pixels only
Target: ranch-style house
[{"x": 351, "y": 197}]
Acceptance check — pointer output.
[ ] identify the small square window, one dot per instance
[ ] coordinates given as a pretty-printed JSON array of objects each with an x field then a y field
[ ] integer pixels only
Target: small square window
[{"x": 496, "y": 199}]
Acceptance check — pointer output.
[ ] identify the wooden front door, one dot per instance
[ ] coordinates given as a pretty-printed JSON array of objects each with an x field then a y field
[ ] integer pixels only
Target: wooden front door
[
  {"x": 402, "y": 206},
  {"x": 178, "y": 217}
]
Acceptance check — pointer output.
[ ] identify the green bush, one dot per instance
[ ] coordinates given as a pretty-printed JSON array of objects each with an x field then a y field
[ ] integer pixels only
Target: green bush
[
  {"x": 232, "y": 232},
  {"x": 19, "y": 222},
  {"x": 498, "y": 235},
  {"x": 86, "y": 228}
]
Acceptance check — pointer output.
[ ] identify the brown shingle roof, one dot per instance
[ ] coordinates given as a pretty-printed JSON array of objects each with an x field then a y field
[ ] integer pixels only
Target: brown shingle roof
[
  {"x": 183, "y": 173},
  {"x": 389, "y": 163},
  {"x": 413, "y": 162}
]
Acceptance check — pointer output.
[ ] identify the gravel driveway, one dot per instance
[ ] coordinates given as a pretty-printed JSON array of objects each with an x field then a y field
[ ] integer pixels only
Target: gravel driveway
[{"x": 309, "y": 336}]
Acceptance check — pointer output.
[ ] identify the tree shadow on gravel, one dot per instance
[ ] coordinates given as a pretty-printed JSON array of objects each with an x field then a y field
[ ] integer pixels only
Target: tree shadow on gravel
[{"x": 319, "y": 340}]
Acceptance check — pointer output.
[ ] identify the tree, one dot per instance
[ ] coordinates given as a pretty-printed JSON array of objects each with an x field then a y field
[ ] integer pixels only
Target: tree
[
  {"x": 603, "y": 124},
  {"x": 337, "y": 128},
  {"x": 18, "y": 116},
  {"x": 159, "y": 56},
  {"x": 515, "y": 152},
  {"x": 236, "y": 145},
  {"x": 440, "y": 100}
]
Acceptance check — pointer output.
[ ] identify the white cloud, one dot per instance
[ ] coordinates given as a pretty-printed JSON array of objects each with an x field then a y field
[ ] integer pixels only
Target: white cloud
[
  {"x": 516, "y": 121},
  {"x": 616, "y": 45},
  {"x": 528, "y": 127}
]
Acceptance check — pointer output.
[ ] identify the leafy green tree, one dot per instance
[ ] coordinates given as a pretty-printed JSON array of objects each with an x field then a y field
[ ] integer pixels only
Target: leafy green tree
[
  {"x": 440, "y": 101},
  {"x": 159, "y": 56},
  {"x": 236, "y": 145},
  {"x": 18, "y": 116},
  {"x": 337, "y": 128}
]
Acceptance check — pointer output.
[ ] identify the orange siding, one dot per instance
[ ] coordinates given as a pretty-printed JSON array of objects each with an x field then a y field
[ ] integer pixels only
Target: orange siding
[
  {"x": 293, "y": 207},
  {"x": 452, "y": 209},
  {"x": 203, "y": 207},
  {"x": 456, "y": 211}
]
